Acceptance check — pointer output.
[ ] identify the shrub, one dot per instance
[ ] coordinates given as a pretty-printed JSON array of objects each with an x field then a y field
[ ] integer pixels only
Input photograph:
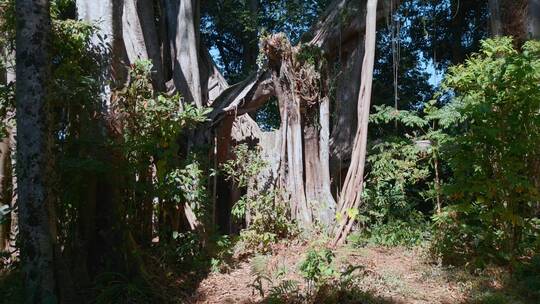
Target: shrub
[
  {"x": 495, "y": 158},
  {"x": 265, "y": 216}
]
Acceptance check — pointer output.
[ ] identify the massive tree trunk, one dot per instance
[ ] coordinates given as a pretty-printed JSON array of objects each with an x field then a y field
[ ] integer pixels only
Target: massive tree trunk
[
  {"x": 183, "y": 29},
  {"x": 291, "y": 179},
  {"x": 106, "y": 243},
  {"x": 141, "y": 37},
  {"x": 311, "y": 145},
  {"x": 303, "y": 173},
  {"x": 100, "y": 12},
  {"x": 517, "y": 18},
  {"x": 37, "y": 221},
  {"x": 351, "y": 195}
]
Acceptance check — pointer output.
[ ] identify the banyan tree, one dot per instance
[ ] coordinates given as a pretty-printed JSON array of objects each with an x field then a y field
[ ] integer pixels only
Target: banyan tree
[{"x": 310, "y": 151}]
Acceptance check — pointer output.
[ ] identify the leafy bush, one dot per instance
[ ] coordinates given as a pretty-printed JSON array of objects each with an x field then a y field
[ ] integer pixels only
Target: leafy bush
[
  {"x": 412, "y": 232},
  {"x": 268, "y": 223},
  {"x": 397, "y": 183},
  {"x": 495, "y": 158},
  {"x": 404, "y": 178},
  {"x": 118, "y": 288},
  {"x": 527, "y": 278},
  {"x": 266, "y": 217},
  {"x": 221, "y": 253},
  {"x": 316, "y": 267}
]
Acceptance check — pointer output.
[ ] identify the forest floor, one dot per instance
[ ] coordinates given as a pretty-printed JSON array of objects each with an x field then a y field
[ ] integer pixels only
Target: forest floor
[{"x": 385, "y": 275}]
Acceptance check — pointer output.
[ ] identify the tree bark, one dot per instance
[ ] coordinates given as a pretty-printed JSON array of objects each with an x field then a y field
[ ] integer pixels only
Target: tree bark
[
  {"x": 5, "y": 167},
  {"x": 37, "y": 219},
  {"x": 457, "y": 21},
  {"x": 141, "y": 38},
  {"x": 100, "y": 12},
  {"x": 183, "y": 29},
  {"x": 317, "y": 166},
  {"x": 351, "y": 195},
  {"x": 310, "y": 149},
  {"x": 291, "y": 141},
  {"x": 495, "y": 18}
]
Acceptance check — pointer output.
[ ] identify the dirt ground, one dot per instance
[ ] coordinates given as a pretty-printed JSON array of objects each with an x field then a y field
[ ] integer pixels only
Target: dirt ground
[{"x": 388, "y": 275}]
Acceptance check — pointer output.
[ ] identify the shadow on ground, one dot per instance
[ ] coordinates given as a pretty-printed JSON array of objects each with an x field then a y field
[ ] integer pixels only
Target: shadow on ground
[{"x": 520, "y": 286}]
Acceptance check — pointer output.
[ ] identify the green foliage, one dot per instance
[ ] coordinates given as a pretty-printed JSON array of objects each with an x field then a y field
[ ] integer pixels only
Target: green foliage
[
  {"x": 74, "y": 102},
  {"x": 316, "y": 267},
  {"x": 273, "y": 287},
  {"x": 494, "y": 159},
  {"x": 397, "y": 170},
  {"x": 153, "y": 124},
  {"x": 118, "y": 288},
  {"x": 7, "y": 26},
  {"x": 404, "y": 177},
  {"x": 266, "y": 217},
  {"x": 310, "y": 54},
  {"x": 187, "y": 185},
  {"x": 7, "y": 108},
  {"x": 186, "y": 247},
  {"x": 527, "y": 278},
  {"x": 268, "y": 224},
  {"x": 245, "y": 165},
  {"x": 221, "y": 253},
  {"x": 412, "y": 232},
  {"x": 151, "y": 128}
]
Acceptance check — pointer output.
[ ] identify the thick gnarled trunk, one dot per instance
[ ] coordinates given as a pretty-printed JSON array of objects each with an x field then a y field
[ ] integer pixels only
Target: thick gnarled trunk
[
  {"x": 291, "y": 177},
  {"x": 309, "y": 154}
]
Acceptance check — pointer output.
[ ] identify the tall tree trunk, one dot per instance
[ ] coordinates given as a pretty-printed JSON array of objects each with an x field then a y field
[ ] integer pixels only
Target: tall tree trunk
[
  {"x": 316, "y": 163},
  {"x": 339, "y": 42},
  {"x": 107, "y": 239},
  {"x": 37, "y": 219},
  {"x": 351, "y": 195},
  {"x": 8, "y": 76},
  {"x": 251, "y": 51},
  {"x": 14, "y": 215},
  {"x": 495, "y": 18}
]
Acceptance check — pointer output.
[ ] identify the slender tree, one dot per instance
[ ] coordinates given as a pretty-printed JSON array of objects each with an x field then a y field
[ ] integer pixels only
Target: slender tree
[{"x": 37, "y": 219}]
